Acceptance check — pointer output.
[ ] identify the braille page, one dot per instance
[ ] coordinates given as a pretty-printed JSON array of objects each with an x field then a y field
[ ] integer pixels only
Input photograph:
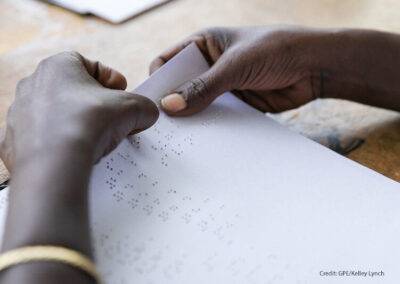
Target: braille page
[{"x": 231, "y": 196}]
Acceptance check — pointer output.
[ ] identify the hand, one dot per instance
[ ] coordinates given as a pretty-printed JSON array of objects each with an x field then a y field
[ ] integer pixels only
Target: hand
[
  {"x": 68, "y": 114},
  {"x": 277, "y": 68},
  {"x": 261, "y": 64},
  {"x": 70, "y": 100}
]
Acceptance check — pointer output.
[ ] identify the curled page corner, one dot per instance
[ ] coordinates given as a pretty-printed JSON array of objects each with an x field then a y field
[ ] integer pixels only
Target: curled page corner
[{"x": 185, "y": 66}]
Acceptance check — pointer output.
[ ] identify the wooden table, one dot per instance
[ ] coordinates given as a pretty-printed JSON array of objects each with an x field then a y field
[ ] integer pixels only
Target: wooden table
[{"x": 32, "y": 30}]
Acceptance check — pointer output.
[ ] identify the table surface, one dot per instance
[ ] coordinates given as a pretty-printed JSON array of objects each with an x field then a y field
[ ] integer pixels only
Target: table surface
[{"x": 32, "y": 30}]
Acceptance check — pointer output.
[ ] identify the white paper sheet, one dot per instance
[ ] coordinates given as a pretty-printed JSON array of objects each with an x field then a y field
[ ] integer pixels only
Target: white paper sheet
[
  {"x": 114, "y": 11},
  {"x": 231, "y": 196}
]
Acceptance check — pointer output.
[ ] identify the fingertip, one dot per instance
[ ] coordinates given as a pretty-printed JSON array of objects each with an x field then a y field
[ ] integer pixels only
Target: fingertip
[
  {"x": 148, "y": 114},
  {"x": 155, "y": 65},
  {"x": 115, "y": 80},
  {"x": 173, "y": 103}
]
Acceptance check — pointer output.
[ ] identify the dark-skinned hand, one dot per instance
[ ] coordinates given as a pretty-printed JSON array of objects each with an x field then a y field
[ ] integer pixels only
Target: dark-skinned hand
[
  {"x": 72, "y": 100},
  {"x": 277, "y": 68}
]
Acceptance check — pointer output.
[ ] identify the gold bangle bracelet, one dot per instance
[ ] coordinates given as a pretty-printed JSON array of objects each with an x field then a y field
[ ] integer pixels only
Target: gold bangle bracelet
[{"x": 49, "y": 254}]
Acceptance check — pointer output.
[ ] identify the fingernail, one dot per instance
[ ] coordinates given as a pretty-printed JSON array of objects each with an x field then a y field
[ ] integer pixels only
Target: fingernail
[{"x": 173, "y": 102}]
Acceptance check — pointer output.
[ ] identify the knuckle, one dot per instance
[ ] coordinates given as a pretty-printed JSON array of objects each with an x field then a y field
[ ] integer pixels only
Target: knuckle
[
  {"x": 56, "y": 64},
  {"x": 218, "y": 37},
  {"x": 66, "y": 55},
  {"x": 10, "y": 114},
  {"x": 72, "y": 53},
  {"x": 62, "y": 57},
  {"x": 43, "y": 63},
  {"x": 197, "y": 88},
  {"x": 47, "y": 61},
  {"x": 70, "y": 56},
  {"x": 22, "y": 88},
  {"x": 11, "y": 109},
  {"x": 22, "y": 83},
  {"x": 212, "y": 31}
]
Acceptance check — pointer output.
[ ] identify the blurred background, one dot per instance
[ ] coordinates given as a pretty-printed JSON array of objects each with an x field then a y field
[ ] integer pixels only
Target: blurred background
[{"x": 31, "y": 30}]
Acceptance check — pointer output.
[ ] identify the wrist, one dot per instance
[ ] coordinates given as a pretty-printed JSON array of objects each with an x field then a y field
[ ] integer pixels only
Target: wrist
[
  {"x": 62, "y": 153},
  {"x": 60, "y": 165},
  {"x": 357, "y": 65},
  {"x": 50, "y": 190}
]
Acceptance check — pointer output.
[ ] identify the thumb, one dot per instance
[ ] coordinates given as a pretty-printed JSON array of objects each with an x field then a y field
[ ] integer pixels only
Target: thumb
[
  {"x": 146, "y": 113},
  {"x": 106, "y": 76},
  {"x": 195, "y": 95}
]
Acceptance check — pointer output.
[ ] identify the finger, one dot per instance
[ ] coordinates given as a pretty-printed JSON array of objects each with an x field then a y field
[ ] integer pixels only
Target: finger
[
  {"x": 106, "y": 76},
  {"x": 169, "y": 53},
  {"x": 130, "y": 114},
  {"x": 209, "y": 42},
  {"x": 142, "y": 113},
  {"x": 197, "y": 94}
]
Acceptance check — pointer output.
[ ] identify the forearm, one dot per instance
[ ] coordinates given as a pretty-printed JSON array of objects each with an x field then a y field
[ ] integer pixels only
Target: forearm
[
  {"x": 357, "y": 65},
  {"x": 48, "y": 206}
]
